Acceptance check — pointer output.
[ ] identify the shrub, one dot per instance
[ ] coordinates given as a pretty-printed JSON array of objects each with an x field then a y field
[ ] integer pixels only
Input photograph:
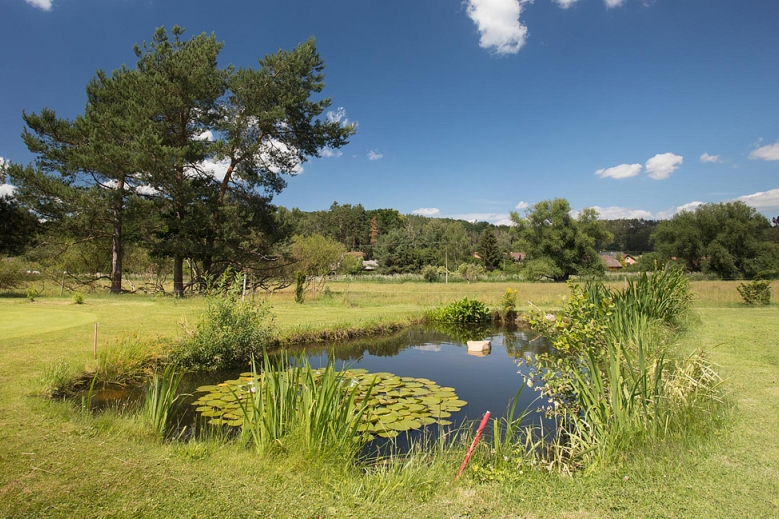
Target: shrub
[
  {"x": 430, "y": 274},
  {"x": 756, "y": 293},
  {"x": 470, "y": 271},
  {"x": 508, "y": 304},
  {"x": 228, "y": 334},
  {"x": 463, "y": 311},
  {"x": 78, "y": 298},
  {"x": 300, "y": 287},
  {"x": 13, "y": 273}
]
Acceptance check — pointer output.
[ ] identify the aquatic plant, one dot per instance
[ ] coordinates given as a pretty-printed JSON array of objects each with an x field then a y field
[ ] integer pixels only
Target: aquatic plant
[
  {"x": 610, "y": 384},
  {"x": 324, "y": 406},
  {"x": 160, "y": 400}
]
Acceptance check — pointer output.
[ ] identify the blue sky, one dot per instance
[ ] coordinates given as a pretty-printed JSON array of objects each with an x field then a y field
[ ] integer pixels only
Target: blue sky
[{"x": 469, "y": 109}]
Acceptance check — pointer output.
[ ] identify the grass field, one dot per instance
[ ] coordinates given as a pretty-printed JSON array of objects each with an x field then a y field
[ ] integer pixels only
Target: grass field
[{"x": 56, "y": 462}]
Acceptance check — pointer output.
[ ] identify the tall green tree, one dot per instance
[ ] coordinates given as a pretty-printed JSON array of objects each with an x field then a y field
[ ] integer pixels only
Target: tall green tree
[
  {"x": 226, "y": 134},
  {"x": 208, "y": 145},
  {"x": 728, "y": 239},
  {"x": 87, "y": 163},
  {"x": 565, "y": 245},
  {"x": 488, "y": 249},
  {"x": 630, "y": 235},
  {"x": 397, "y": 253}
]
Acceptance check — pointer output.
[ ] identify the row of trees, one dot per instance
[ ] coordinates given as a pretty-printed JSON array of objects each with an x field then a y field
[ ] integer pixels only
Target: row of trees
[{"x": 179, "y": 156}]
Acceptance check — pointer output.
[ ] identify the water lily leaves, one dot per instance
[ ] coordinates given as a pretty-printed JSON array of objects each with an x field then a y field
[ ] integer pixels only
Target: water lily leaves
[{"x": 395, "y": 404}]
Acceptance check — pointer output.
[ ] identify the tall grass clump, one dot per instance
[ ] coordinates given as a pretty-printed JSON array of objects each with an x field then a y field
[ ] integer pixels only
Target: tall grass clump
[
  {"x": 126, "y": 363},
  {"x": 160, "y": 400},
  {"x": 58, "y": 376},
  {"x": 298, "y": 407},
  {"x": 228, "y": 334},
  {"x": 612, "y": 383}
]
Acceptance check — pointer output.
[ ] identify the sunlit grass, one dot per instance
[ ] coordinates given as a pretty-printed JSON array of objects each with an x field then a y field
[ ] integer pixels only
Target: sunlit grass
[{"x": 56, "y": 463}]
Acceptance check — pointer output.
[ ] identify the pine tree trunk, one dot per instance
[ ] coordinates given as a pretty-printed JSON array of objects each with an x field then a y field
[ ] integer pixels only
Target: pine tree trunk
[{"x": 117, "y": 249}]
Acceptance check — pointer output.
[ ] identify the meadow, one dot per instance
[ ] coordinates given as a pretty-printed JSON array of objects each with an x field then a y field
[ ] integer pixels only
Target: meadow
[{"x": 57, "y": 461}]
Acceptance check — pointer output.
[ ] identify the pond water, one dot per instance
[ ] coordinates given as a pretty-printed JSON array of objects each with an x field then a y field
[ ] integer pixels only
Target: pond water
[{"x": 486, "y": 380}]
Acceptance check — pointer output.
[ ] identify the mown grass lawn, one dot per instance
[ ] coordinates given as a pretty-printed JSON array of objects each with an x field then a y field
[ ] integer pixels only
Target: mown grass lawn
[{"x": 55, "y": 462}]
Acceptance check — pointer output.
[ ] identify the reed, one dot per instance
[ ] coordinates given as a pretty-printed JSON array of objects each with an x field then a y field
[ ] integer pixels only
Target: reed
[
  {"x": 161, "y": 399},
  {"x": 315, "y": 410},
  {"x": 613, "y": 385}
]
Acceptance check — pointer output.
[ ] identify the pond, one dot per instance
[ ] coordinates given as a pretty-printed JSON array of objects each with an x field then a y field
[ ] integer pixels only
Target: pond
[{"x": 486, "y": 379}]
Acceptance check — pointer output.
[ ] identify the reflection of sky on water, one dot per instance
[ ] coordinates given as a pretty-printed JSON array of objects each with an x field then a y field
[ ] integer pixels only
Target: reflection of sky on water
[{"x": 428, "y": 347}]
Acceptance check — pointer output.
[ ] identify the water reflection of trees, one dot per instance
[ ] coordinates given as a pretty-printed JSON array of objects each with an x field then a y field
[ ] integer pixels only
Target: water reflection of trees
[
  {"x": 524, "y": 342},
  {"x": 519, "y": 342}
]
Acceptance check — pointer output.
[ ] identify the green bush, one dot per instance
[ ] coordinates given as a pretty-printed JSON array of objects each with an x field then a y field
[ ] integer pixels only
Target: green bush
[
  {"x": 463, "y": 311},
  {"x": 470, "y": 271},
  {"x": 13, "y": 273},
  {"x": 228, "y": 334},
  {"x": 430, "y": 274},
  {"x": 78, "y": 298},
  {"x": 300, "y": 287},
  {"x": 756, "y": 292},
  {"x": 508, "y": 304}
]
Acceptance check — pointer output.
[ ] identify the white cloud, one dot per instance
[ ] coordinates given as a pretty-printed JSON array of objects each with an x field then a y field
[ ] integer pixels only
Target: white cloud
[
  {"x": 762, "y": 201},
  {"x": 7, "y": 190},
  {"x": 662, "y": 165},
  {"x": 426, "y": 211},
  {"x": 207, "y": 135},
  {"x": 616, "y": 213},
  {"x": 613, "y": 3},
  {"x": 710, "y": 158},
  {"x": 146, "y": 190},
  {"x": 621, "y": 171},
  {"x": 338, "y": 116},
  {"x": 692, "y": 206},
  {"x": 498, "y": 24},
  {"x": 328, "y": 153},
  {"x": 522, "y": 205},
  {"x": 217, "y": 169},
  {"x": 767, "y": 152},
  {"x": 40, "y": 4},
  {"x": 374, "y": 155},
  {"x": 493, "y": 218},
  {"x": 565, "y": 4},
  {"x": 665, "y": 215}
]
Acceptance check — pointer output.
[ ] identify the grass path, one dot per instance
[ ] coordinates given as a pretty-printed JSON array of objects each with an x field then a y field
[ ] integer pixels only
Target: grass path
[{"x": 56, "y": 463}]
